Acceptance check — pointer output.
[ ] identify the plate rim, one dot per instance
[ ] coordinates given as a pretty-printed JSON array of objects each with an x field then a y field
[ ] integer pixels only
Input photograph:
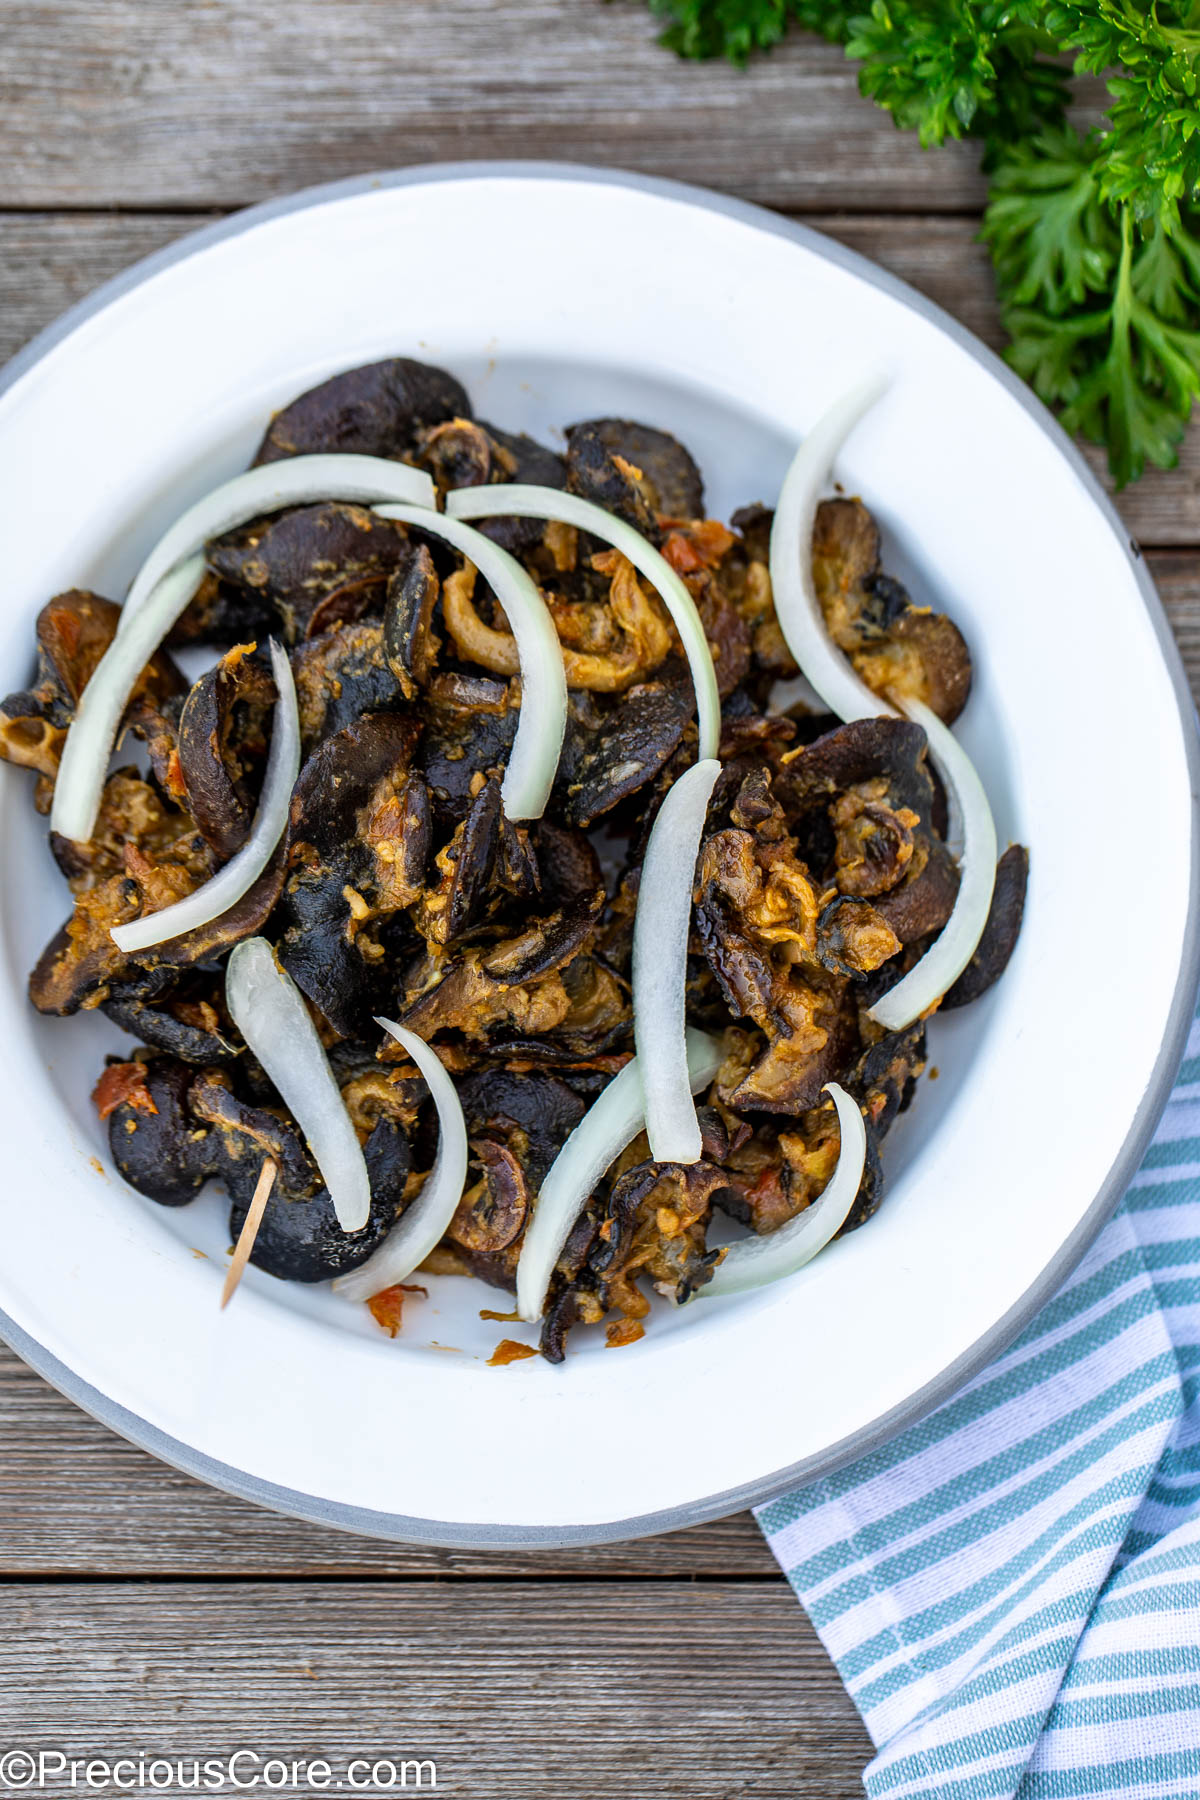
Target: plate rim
[{"x": 400, "y": 1527}]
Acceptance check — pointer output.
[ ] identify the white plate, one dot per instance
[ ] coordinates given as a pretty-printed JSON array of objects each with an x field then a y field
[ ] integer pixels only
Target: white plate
[{"x": 556, "y": 293}]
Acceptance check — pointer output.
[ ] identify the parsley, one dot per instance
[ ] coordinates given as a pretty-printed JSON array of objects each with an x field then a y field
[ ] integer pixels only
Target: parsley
[{"x": 1095, "y": 238}]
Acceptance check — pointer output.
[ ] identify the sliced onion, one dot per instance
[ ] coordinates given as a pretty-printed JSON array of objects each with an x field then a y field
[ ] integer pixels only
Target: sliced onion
[
  {"x": 423, "y": 1225},
  {"x": 609, "y": 1125},
  {"x": 295, "y": 481},
  {"x": 955, "y": 945},
  {"x": 533, "y": 760},
  {"x": 269, "y": 1011},
  {"x": 796, "y": 604},
  {"x": 89, "y": 744},
  {"x": 754, "y": 1261},
  {"x": 242, "y": 870},
  {"x": 660, "y": 938},
  {"x": 526, "y": 502},
  {"x": 803, "y": 625}
]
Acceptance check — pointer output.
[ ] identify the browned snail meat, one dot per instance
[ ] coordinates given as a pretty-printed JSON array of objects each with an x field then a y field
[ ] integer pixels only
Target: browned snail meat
[
  {"x": 379, "y": 409},
  {"x": 612, "y": 751},
  {"x": 516, "y": 983},
  {"x": 651, "y": 463},
  {"x": 410, "y": 644},
  {"x": 224, "y": 729},
  {"x": 402, "y": 890},
  {"x": 455, "y": 899},
  {"x": 189, "y": 1019},
  {"x": 464, "y": 452},
  {"x": 867, "y": 788},
  {"x": 892, "y": 643},
  {"x": 486, "y": 1231},
  {"x": 341, "y": 675},
  {"x": 757, "y": 912},
  {"x": 606, "y": 478},
  {"x": 358, "y": 842},
  {"x": 317, "y": 566},
  {"x": 470, "y": 722},
  {"x": 853, "y": 937},
  {"x": 776, "y": 1167},
  {"x": 518, "y": 1124},
  {"x": 133, "y": 811},
  {"x": 532, "y": 463},
  {"x": 343, "y": 774},
  {"x": 533, "y": 1114},
  {"x": 73, "y": 632},
  {"x": 200, "y": 1130},
  {"x": 145, "y": 856},
  {"x": 155, "y": 1140},
  {"x": 651, "y": 1229},
  {"x": 1000, "y": 934},
  {"x": 491, "y": 1214},
  {"x": 224, "y": 613},
  {"x": 819, "y": 772},
  {"x": 727, "y": 632},
  {"x": 82, "y": 967}
]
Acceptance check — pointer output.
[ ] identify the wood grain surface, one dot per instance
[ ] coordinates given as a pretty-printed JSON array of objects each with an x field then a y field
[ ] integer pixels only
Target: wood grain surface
[
  {"x": 162, "y": 103},
  {"x": 139, "y": 1610},
  {"x": 605, "y": 1691}
]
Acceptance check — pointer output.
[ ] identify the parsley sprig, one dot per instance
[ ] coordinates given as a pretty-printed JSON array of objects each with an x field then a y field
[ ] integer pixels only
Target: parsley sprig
[{"x": 1095, "y": 237}]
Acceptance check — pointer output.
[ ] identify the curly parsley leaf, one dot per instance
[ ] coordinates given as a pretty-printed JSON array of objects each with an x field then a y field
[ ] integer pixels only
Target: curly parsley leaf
[
  {"x": 734, "y": 28},
  {"x": 955, "y": 68},
  {"x": 1096, "y": 240},
  {"x": 1103, "y": 311},
  {"x": 1149, "y": 155},
  {"x": 1053, "y": 241}
]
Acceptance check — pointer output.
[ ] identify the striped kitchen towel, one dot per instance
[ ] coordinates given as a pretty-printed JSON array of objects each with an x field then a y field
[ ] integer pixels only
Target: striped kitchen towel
[{"x": 1011, "y": 1588}]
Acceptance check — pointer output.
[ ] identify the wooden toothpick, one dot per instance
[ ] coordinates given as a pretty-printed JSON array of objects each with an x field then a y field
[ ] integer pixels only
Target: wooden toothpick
[{"x": 249, "y": 1231}]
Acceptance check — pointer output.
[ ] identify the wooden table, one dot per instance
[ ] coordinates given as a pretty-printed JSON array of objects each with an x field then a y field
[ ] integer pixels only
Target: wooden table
[{"x": 142, "y": 1612}]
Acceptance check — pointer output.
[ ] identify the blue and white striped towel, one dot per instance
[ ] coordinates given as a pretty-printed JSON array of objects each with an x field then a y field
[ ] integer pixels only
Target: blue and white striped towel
[{"x": 1011, "y": 1589}]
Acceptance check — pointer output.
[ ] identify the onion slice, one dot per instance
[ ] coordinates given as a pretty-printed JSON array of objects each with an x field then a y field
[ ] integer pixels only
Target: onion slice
[
  {"x": 533, "y": 760},
  {"x": 239, "y": 874},
  {"x": 660, "y": 938},
  {"x": 796, "y": 604},
  {"x": 295, "y": 481},
  {"x": 955, "y": 944},
  {"x": 89, "y": 743},
  {"x": 527, "y": 502},
  {"x": 609, "y": 1125},
  {"x": 269, "y": 1011},
  {"x": 754, "y": 1261},
  {"x": 830, "y": 673},
  {"x": 423, "y": 1225}
]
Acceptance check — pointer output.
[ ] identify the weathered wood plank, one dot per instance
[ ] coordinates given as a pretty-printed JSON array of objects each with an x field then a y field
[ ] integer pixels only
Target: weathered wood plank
[
  {"x": 1177, "y": 575},
  {"x": 49, "y": 262},
  {"x": 619, "y": 1690},
  {"x": 201, "y": 102},
  {"x": 76, "y": 1499}
]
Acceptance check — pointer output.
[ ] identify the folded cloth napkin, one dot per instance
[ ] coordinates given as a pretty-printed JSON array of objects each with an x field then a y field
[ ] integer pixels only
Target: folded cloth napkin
[{"x": 1011, "y": 1588}]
